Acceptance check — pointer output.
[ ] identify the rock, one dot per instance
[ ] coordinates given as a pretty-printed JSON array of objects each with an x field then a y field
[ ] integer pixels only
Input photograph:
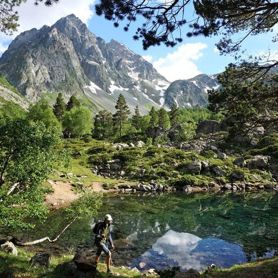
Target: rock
[
  {"x": 236, "y": 176},
  {"x": 221, "y": 155},
  {"x": 193, "y": 189},
  {"x": 194, "y": 167},
  {"x": 142, "y": 265},
  {"x": 269, "y": 186},
  {"x": 84, "y": 260},
  {"x": 213, "y": 186},
  {"x": 9, "y": 247},
  {"x": 208, "y": 127},
  {"x": 240, "y": 162},
  {"x": 69, "y": 269},
  {"x": 120, "y": 146},
  {"x": 234, "y": 188},
  {"x": 131, "y": 145},
  {"x": 122, "y": 173},
  {"x": 205, "y": 165},
  {"x": 217, "y": 171},
  {"x": 191, "y": 273},
  {"x": 258, "y": 162},
  {"x": 41, "y": 260},
  {"x": 129, "y": 190},
  {"x": 227, "y": 186},
  {"x": 124, "y": 186},
  {"x": 140, "y": 144},
  {"x": 114, "y": 165}
]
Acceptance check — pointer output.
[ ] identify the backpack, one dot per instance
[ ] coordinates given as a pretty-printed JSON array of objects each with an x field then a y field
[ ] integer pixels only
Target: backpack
[{"x": 97, "y": 227}]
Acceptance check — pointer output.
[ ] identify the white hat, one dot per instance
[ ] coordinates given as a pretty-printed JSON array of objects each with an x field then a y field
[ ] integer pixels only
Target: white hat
[{"x": 108, "y": 217}]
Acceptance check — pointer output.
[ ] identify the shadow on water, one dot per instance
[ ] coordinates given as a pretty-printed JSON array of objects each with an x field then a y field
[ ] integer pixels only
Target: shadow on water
[{"x": 183, "y": 230}]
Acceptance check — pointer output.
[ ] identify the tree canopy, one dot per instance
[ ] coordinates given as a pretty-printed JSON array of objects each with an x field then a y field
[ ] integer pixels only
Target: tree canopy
[{"x": 163, "y": 20}]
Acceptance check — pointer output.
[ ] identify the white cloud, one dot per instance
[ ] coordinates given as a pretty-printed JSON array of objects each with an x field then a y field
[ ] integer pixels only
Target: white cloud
[
  {"x": 268, "y": 56},
  {"x": 32, "y": 16},
  {"x": 148, "y": 58},
  {"x": 181, "y": 64},
  {"x": 216, "y": 50}
]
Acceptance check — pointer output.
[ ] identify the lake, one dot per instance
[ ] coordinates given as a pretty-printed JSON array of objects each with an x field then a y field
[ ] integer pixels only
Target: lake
[{"x": 188, "y": 231}]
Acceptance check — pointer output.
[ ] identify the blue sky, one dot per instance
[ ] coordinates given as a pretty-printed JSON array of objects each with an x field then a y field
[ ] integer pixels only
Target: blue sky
[{"x": 195, "y": 55}]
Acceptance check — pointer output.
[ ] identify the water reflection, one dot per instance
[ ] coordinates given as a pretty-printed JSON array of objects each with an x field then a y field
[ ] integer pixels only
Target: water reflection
[{"x": 189, "y": 251}]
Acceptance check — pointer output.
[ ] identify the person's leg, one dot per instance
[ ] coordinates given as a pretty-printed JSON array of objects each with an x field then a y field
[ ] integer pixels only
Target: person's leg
[
  {"x": 108, "y": 256},
  {"x": 108, "y": 261},
  {"x": 98, "y": 253}
]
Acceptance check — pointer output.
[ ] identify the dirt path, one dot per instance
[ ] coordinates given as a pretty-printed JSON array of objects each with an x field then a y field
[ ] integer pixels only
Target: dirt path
[
  {"x": 97, "y": 187},
  {"x": 62, "y": 195}
]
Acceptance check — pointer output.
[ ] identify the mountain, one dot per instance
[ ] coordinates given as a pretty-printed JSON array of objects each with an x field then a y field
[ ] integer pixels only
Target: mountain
[
  {"x": 191, "y": 92},
  {"x": 68, "y": 58}
]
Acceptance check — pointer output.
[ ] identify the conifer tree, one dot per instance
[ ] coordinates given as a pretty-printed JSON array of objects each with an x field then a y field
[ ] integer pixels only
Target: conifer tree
[
  {"x": 59, "y": 107},
  {"x": 163, "y": 119},
  {"x": 121, "y": 115},
  {"x": 136, "y": 119},
  {"x": 174, "y": 114},
  {"x": 103, "y": 124},
  {"x": 73, "y": 102},
  {"x": 153, "y": 118}
]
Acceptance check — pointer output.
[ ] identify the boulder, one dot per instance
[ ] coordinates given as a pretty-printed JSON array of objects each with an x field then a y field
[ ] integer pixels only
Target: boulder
[
  {"x": 9, "y": 247},
  {"x": 217, "y": 171},
  {"x": 205, "y": 165},
  {"x": 84, "y": 260},
  {"x": 240, "y": 162},
  {"x": 69, "y": 269},
  {"x": 221, "y": 155},
  {"x": 124, "y": 186},
  {"x": 193, "y": 189},
  {"x": 213, "y": 186},
  {"x": 269, "y": 186},
  {"x": 41, "y": 260},
  {"x": 227, "y": 187},
  {"x": 208, "y": 127},
  {"x": 258, "y": 162},
  {"x": 140, "y": 144},
  {"x": 236, "y": 176},
  {"x": 194, "y": 167},
  {"x": 114, "y": 165},
  {"x": 120, "y": 146}
]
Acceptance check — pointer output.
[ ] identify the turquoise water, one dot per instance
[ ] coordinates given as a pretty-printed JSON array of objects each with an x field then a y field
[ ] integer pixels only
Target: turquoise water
[{"x": 189, "y": 231}]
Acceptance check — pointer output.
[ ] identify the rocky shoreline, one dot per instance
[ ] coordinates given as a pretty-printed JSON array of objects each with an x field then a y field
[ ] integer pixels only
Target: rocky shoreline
[{"x": 212, "y": 187}]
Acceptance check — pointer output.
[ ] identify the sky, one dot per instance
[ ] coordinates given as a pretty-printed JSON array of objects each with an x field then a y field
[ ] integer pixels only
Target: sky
[{"x": 192, "y": 57}]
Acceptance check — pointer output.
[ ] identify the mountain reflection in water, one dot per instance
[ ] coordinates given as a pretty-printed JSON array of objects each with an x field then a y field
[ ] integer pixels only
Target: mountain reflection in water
[{"x": 189, "y": 251}]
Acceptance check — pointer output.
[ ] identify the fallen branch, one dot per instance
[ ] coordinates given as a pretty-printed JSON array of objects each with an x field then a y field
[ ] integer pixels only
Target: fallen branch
[
  {"x": 19, "y": 243},
  {"x": 12, "y": 189}
]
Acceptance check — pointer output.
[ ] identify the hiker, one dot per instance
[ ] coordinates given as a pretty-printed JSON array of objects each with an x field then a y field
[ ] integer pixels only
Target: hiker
[{"x": 103, "y": 240}]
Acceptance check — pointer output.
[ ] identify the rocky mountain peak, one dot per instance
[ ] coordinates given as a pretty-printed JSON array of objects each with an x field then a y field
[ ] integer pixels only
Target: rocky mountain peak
[{"x": 66, "y": 57}]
